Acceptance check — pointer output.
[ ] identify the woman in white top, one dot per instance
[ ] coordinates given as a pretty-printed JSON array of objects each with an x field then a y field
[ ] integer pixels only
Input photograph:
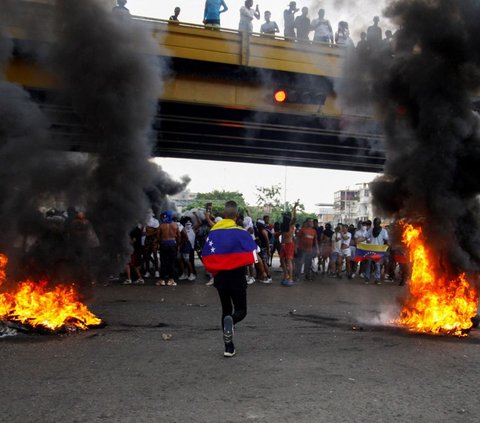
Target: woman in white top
[{"x": 246, "y": 16}]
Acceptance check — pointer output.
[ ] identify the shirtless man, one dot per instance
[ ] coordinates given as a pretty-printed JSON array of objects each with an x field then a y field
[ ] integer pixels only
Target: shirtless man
[
  {"x": 287, "y": 249},
  {"x": 169, "y": 237}
]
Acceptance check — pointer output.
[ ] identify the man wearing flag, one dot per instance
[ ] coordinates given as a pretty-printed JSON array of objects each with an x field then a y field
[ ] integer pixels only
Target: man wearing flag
[{"x": 227, "y": 251}]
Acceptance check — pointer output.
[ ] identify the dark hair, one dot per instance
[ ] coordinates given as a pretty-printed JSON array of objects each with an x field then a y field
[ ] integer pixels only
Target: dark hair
[
  {"x": 376, "y": 227},
  {"x": 285, "y": 226},
  {"x": 231, "y": 210}
]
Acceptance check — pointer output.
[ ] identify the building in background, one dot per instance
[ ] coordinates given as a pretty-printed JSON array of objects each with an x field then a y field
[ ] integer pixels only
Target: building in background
[
  {"x": 183, "y": 199},
  {"x": 326, "y": 213},
  {"x": 364, "y": 203},
  {"x": 345, "y": 205},
  {"x": 352, "y": 205}
]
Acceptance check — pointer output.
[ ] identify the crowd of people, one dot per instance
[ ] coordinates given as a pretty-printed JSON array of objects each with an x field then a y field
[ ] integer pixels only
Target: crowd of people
[
  {"x": 166, "y": 249},
  {"x": 297, "y": 24}
]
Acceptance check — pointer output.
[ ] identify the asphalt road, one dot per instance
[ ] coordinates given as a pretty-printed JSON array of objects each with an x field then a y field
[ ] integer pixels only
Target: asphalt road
[{"x": 160, "y": 359}]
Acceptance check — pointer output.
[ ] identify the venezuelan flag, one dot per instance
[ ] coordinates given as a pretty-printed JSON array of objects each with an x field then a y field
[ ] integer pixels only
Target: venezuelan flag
[
  {"x": 373, "y": 252},
  {"x": 227, "y": 247}
]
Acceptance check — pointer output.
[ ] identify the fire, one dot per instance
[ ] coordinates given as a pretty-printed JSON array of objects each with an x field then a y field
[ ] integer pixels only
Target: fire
[
  {"x": 436, "y": 303},
  {"x": 37, "y": 305}
]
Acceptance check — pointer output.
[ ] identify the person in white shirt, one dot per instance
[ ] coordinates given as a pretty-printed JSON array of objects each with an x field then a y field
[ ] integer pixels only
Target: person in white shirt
[
  {"x": 186, "y": 250},
  {"x": 247, "y": 14},
  {"x": 345, "y": 252},
  {"x": 377, "y": 236},
  {"x": 335, "y": 256},
  {"x": 323, "y": 30}
]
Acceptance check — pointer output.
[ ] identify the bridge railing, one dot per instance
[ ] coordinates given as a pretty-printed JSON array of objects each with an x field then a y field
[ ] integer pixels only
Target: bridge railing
[
  {"x": 35, "y": 20},
  {"x": 228, "y": 46}
]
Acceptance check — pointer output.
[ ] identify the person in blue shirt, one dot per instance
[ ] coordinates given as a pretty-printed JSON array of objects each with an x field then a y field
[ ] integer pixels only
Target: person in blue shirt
[{"x": 213, "y": 8}]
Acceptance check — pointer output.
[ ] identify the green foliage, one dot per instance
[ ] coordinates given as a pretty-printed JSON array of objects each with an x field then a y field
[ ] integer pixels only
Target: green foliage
[
  {"x": 218, "y": 200},
  {"x": 269, "y": 202}
]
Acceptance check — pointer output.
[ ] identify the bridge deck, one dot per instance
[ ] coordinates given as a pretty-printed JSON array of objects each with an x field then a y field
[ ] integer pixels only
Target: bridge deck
[{"x": 216, "y": 102}]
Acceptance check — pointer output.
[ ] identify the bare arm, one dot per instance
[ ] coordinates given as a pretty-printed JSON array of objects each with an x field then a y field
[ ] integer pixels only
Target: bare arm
[
  {"x": 225, "y": 7},
  {"x": 294, "y": 216},
  {"x": 209, "y": 220},
  {"x": 257, "y": 12}
]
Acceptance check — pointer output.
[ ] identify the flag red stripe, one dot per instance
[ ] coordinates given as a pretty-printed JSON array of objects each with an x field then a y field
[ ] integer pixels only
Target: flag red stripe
[{"x": 218, "y": 262}]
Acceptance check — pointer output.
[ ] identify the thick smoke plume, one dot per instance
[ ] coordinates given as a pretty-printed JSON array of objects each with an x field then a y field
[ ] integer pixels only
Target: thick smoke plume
[
  {"x": 423, "y": 92},
  {"x": 110, "y": 74},
  {"x": 358, "y": 14}
]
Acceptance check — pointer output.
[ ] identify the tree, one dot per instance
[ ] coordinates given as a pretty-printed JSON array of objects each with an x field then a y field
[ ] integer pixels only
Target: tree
[
  {"x": 269, "y": 197},
  {"x": 218, "y": 200},
  {"x": 269, "y": 201}
]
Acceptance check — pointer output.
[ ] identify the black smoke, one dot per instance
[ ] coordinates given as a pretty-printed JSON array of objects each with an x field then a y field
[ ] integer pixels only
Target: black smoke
[
  {"x": 423, "y": 95},
  {"x": 110, "y": 74}
]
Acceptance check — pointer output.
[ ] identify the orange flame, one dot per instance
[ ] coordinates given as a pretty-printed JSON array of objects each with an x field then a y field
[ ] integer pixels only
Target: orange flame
[
  {"x": 36, "y": 304},
  {"x": 435, "y": 304}
]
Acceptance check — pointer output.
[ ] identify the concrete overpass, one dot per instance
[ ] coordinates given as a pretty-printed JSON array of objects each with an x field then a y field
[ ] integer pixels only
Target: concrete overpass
[{"x": 218, "y": 102}]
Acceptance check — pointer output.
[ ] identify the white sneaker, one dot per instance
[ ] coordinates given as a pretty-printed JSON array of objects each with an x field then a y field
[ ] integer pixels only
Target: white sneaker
[
  {"x": 250, "y": 280},
  {"x": 192, "y": 277},
  {"x": 266, "y": 280},
  {"x": 157, "y": 274},
  {"x": 183, "y": 277},
  {"x": 147, "y": 275},
  {"x": 210, "y": 282},
  {"x": 127, "y": 282}
]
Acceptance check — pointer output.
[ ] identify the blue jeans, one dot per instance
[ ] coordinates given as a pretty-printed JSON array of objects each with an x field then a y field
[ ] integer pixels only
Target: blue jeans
[{"x": 376, "y": 272}]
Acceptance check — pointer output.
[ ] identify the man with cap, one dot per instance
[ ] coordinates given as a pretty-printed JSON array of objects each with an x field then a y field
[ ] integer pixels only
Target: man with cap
[
  {"x": 169, "y": 237},
  {"x": 289, "y": 19}
]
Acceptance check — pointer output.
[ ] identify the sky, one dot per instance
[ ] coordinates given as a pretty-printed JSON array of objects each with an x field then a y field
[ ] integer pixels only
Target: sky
[{"x": 311, "y": 186}]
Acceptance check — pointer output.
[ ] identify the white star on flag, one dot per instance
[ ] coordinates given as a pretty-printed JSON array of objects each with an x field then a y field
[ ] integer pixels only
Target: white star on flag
[
  {"x": 210, "y": 243},
  {"x": 213, "y": 250}
]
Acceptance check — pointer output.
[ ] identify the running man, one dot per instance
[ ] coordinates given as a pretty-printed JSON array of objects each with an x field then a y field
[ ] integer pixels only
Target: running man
[{"x": 226, "y": 253}]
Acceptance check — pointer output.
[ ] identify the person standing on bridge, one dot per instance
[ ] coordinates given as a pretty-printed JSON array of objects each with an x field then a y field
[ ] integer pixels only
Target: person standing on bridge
[
  {"x": 120, "y": 8},
  {"x": 302, "y": 25},
  {"x": 226, "y": 253},
  {"x": 269, "y": 27},
  {"x": 247, "y": 14},
  {"x": 213, "y": 9},
  {"x": 289, "y": 20},
  {"x": 175, "y": 15},
  {"x": 323, "y": 30}
]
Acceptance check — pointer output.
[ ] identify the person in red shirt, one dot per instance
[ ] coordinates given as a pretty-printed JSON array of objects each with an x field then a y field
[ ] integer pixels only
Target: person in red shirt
[{"x": 307, "y": 249}]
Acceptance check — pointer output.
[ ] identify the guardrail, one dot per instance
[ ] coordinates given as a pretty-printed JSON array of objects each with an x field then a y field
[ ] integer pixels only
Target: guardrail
[{"x": 195, "y": 42}]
